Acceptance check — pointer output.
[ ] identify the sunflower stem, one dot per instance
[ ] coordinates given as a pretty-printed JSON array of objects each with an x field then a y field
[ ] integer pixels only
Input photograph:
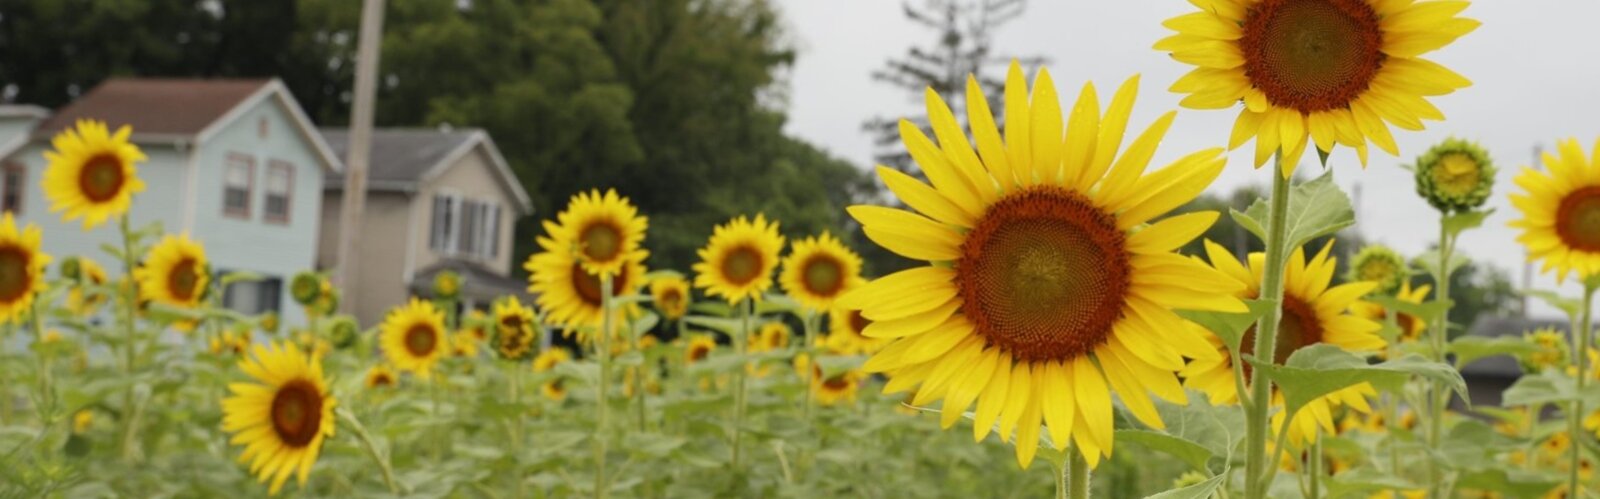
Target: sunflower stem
[
  {"x": 603, "y": 355},
  {"x": 1267, "y": 333},
  {"x": 1076, "y": 477},
  {"x": 1437, "y": 395},
  {"x": 809, "y": 322},
  {"x": 46, "y": 392},
  {"x": 1314, "y": 468},
  {"x": 130, "y": 330},
  {"x": 1580, "y": 360},
  {"x": 371, "y": 448},
  {"x": 740, "y": 344},
  {"x": 1391, "y": 407}
]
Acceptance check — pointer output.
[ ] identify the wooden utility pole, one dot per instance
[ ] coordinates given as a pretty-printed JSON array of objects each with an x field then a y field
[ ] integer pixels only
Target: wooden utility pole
[{"x": 355, "y": 173}]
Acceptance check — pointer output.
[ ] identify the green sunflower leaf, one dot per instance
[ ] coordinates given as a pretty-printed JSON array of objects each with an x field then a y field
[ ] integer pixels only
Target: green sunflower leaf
[
  {"x": 1200, "y": 490},
  {"x": 1457, "y": 223},
  {"x": 1469, "y": 349},
  {"x": 1510, "y": 482},
  {"x": 1569, "y": 306},
  {"x": 1321, "y": 369},
  {"x": 1316, "y": 208},
  {"x": 1548, "y": 387},
  {"x": 1428, "y": 261},
  {"x": 1187, "y": 451},
  {"x": 1229, "y": 326}
]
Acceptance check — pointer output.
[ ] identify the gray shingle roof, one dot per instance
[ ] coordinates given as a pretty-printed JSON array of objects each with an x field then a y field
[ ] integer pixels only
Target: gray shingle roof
[{"x": 400, "y": 156}]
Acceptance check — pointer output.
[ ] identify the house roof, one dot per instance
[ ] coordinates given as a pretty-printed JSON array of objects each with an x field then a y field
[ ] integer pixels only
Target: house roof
[
  {"x": 477, "y": 281},
  {"x": 405, "y": 158},
  {"x": 170, "y": 110}
]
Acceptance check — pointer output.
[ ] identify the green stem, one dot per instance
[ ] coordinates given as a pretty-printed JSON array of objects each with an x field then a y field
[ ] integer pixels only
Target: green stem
[
  {"x": 1438, "y": 395},
  {"x": 1391, "y": 406},
  {"x": 1077, "y": 476},
  {"x": 810, "y": 324},
  {"x": 371, "y": 449},
  {"x": 740, "y": 342},
  {"x": 130, "y": 330},
  {"x": 515, "y": 389},
  {"x": 1267, "y": 334},
  {"x": 1582, "y": 333},
  {"x": 46, "y": 391},
  {"x": 603, "y": 354},
  {"x": 1314, "y": 469}
]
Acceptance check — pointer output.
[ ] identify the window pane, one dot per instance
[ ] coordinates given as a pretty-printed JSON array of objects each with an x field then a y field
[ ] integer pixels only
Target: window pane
[{"x": 236, "y": 185}]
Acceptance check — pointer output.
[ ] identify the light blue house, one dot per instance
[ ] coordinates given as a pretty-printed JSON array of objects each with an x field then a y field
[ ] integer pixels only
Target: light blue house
[{"x": 235, "y": 163}]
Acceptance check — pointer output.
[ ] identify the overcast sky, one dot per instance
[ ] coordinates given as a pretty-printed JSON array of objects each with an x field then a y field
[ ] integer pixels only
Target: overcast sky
[{"x": 1533, "y": 67}]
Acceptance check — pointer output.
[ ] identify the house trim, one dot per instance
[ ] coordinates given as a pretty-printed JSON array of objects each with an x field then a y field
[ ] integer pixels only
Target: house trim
[
  {"x": 502, "y": 170},
  {"x": 302, "y": 123}
]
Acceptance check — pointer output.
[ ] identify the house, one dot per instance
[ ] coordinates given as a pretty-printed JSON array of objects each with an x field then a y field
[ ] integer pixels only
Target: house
[
  {"x": 437, "y": 199},
  {"x": 235, "y": 163}
]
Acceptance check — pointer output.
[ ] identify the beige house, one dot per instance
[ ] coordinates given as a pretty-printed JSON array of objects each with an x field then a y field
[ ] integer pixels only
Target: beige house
[{"x": 436, "y": 200}]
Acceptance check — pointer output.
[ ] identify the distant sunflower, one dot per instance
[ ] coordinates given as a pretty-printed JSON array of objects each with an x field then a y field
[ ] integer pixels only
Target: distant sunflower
[
  {"x": 1382, "y": 265},
  {"x": 1411, "y": 326},
  {"x": 1331, "y": 71},
  {"x": 818, "y": 270},
  {"x": 772, "y": 336},
  {"x": 90, "y": 173},
  {"x": 1049, "y": 287},
  {"x": 1313, "y": 312},
  {"x": 555, "y": 389},
  {"x": 570, "y": 295},
  {"x": 1561, "y": 212},
  {"x": 831, "y": 390},
  {"x": 413, "y": 337},
  {"x": 85, "y": 297},
  {"x": 603, "y": 231},
  {"x": 175, "y": 273},
  {"x": 846, "y": 333},
  {"x": 671, "y": 296},
  {"x": 282, "y": 417},
  {"x": 737, "y": 262},
  {"x": 1455, "y": 175},
  {"x": 463, "y": 344},
  {"x": 698, "y": 348},
  {"x": 1552, "y": 350},
  {"x": 477, "y": 323},
  {"x": 381, "y": 376},
  {"x": 514, "y": 334},
  {"x": 22, "y": 267}
]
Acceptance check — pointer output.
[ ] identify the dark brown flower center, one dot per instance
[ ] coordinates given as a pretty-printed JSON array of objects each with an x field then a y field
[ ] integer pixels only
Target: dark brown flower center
[
  {"x": 14, "y": 279},
  {"x": 184, "y": 279},
  {"x": 1311, "y": 55},
  {"x": 602, "y": 241},
  {"x": 1578, "y": 219},
  {"x": 742, "y": 265},
  {"x": 836, "y": 383},
  {"x": 101, "y": 177},
  {"x": 297, "y": 413},
  {"x": 858, "y": 322},
  {"x": 1044, "y": 275},
  {"x": 670, "y": 299},
  {"x": 1409, "y": 326},
  {"x": 1297, "y": 328},
  {"x": 823, "y": 275},
  {"x": 698, "y": 352},
  {"x": 588, "y": 285},
  {"x": 382, "y": 379},
  {"x": 421, "y": 340}
]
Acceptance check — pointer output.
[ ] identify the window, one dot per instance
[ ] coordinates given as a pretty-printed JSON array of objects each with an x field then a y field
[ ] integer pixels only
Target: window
[
  {"x": 465, "y": 227},
  {"x": 236, "y": 184},
  {"x": 253, "y": 297},
  {"x": 12, "y": 188},
  {"x": 280, "y": 188}
]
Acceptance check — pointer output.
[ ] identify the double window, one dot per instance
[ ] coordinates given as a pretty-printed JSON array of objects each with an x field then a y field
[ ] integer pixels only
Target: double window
[
  {"x": 238, "y": 188},
  {"x": 237, "y": 183},
  {"x": 280, "y": 189},
  {"x": 465, "y": 227}
]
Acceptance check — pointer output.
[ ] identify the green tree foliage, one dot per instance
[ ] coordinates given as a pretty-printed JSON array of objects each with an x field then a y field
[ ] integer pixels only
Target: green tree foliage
[{"x": 675, "y": 103}]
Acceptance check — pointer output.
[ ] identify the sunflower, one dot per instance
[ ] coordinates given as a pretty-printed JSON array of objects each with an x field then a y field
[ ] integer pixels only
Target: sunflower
[
  {"x": 463, "y": 344},
  {"x": 772, "y": 336},
  {"x": 82, "y": 421},
  {"x": 1411, "y": 326},
  {"x": 846, "y": 328},
  {"x": 699, "y": 348},
  {"x": 1314, "y": 312},
  {"x": 829, "y": 390},
  {"x": 1552, "y": 350},
  {"x": 670, "y": 293},
  {"x": 1561, "y": 212},
  {"x": 413, "y": 337},
  {"x": 306, "y": 287},
  {"x": 85, "y": 297},
  {"x": 555, "y": 389},
  {"x": 818, "y": 270},
  {"x": 447, "y": 284},
  {"x": 90, "y": 174},
  {"x": 1455, "y": 175},
  {"x": 514, "y": 335},
  {"x": 603, "y": 231},
  {"x": 283, "y": 417},
  {"x": 381, "y": 376},
  {"x": 1331, "y": 71},
  {"x": 1379, "y": 264},
  {"x": 175, "y": 273},
  {"x": 737, "y": 262},
  {"x": 22, "y": 267},
  {"x": 1048, "y": 288},
  {"x": 477, "y": 323},
  {"x": 570, "y": 295}
]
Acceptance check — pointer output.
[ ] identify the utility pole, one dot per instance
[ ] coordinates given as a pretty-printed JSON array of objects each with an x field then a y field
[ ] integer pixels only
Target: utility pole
[
  {"x": 355, "y": 173},
  {"x": 1527, "y": 265}
]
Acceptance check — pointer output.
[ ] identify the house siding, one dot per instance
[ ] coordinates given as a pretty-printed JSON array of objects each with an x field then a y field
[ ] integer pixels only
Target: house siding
[
  {"x": 255, "y": 244},
  {"x": 381, "y": 277}
]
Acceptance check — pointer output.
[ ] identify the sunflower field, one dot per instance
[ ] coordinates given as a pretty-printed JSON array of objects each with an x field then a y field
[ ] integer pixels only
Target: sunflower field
[{"x": 1051, "y": 338}]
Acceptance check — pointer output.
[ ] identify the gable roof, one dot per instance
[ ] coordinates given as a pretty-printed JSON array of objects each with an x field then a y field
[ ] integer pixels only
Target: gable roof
[
  {"x": 405, "y": 158},
  {"x": 171, "y": 110}
]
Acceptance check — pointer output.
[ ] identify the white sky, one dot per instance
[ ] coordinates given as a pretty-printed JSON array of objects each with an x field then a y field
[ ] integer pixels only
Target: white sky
[{"x": 1532, "y": 63}]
